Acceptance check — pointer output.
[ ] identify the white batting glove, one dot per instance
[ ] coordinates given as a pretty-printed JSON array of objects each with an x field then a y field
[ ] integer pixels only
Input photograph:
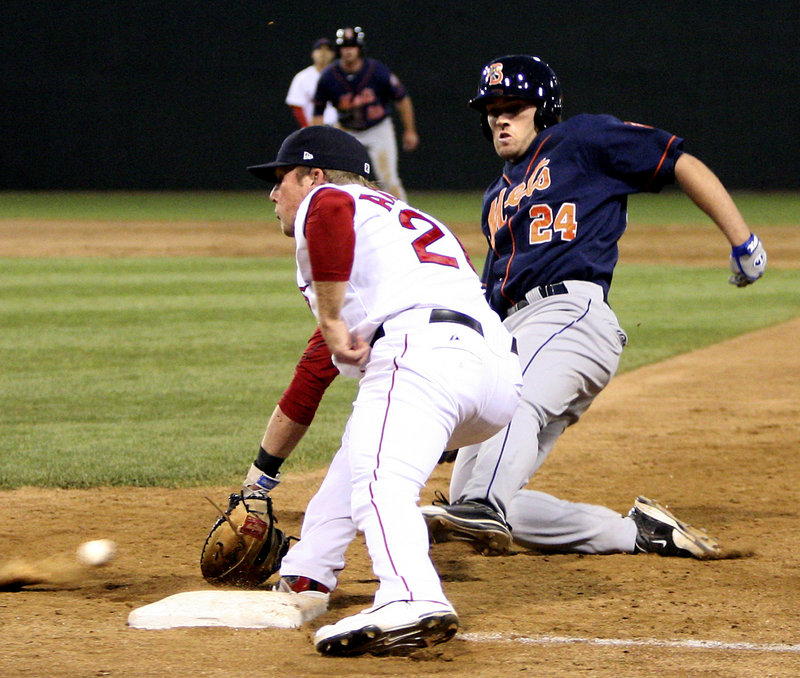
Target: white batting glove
[
  {"x": 258, "y": 482},
  {"x": 748, "y": 262}
]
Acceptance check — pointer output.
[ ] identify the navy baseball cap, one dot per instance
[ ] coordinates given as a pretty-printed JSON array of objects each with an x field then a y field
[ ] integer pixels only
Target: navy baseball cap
[
  {"x": 318, "y": 146},
  {"x": 321, "y": 42}
]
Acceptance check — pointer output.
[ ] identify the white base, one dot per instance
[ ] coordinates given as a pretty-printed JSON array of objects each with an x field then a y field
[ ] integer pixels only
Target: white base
[{"x": 238, "y": 609}]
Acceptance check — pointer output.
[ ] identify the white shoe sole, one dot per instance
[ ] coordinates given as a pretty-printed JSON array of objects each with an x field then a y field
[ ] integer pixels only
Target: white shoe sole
[{"x": 428, "y": 630}]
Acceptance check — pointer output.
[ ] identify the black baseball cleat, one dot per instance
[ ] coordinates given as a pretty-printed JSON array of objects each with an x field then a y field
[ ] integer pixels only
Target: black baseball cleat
[
  {"x": 469, "y": 521},
  {"x": 396, "y": 628},
  {"x": 661, "y": 532}
]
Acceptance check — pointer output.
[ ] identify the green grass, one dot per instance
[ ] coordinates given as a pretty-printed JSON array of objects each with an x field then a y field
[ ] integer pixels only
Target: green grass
[
  {"x": 673, "y": 207},
  {"x": 780, "y": 208},
  {"x": 148, "y": 372},
  {"x": 164, "y": 371},
  {"x": 667, "y": 311},
  {"x": 137, "y": 206}
]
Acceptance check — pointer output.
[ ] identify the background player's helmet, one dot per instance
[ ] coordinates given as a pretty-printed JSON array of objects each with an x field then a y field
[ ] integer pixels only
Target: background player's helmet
[
  {"x": 525, "y": 77},
  {"x": 350, "y": 36}
]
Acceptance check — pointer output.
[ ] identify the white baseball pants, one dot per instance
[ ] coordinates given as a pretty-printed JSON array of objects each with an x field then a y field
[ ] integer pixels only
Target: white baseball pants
[{"x": 427, "y": 387}]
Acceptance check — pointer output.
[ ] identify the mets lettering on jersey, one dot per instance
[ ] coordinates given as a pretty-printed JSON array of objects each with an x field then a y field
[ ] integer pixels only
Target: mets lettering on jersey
[{"x": 558, "y": 213}]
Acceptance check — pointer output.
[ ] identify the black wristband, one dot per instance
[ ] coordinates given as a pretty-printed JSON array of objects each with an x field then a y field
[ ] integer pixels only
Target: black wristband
[{"x": 268, "y": 463}]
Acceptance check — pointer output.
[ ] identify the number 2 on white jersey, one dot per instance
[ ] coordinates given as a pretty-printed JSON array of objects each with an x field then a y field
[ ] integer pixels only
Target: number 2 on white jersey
[{"x": 424, "y": 241}]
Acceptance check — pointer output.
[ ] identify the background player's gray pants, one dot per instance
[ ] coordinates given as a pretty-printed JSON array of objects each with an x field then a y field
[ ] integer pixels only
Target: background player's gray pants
[
  {"x": 381, "y": 144},
  {"x": 569, "y": 346}
]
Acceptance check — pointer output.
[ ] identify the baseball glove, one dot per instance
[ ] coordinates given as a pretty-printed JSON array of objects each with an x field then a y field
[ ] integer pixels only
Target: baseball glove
[{"x": 244, "y": 547}]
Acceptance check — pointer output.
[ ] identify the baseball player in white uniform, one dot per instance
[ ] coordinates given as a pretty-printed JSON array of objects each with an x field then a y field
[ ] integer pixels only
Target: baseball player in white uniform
[
  {"x": 401, "y": 308},
  {"x": 300, "y": 97}
]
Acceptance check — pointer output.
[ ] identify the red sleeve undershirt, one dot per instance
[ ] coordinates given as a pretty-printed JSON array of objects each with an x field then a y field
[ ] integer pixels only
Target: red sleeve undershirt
[
  {"x": 330, "y": 235},
  {"x": 312, "y": 376},
  {"x": 300, "y": 116},
  {"x": 331, "y": 244}
]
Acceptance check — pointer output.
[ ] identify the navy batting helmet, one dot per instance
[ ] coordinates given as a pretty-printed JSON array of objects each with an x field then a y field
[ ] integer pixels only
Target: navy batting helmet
[
  {"x": 350, "y": 36},
  {"x": 524, "y": 77}
]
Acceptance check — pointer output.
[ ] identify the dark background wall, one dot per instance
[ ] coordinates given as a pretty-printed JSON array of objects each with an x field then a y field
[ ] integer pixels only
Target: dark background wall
[{"x": 151, "y": 95}]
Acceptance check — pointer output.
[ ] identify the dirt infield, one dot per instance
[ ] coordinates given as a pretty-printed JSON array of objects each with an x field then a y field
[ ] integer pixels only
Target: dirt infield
[
  {"x": 699, "y": 246},
  {"x": 714, "y": 433}
]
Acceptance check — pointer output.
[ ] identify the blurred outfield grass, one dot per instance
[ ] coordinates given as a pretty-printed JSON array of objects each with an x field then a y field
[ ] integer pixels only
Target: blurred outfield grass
[
  {"x": 164, "y": 371},
  {"x": 450, "y": 207}
]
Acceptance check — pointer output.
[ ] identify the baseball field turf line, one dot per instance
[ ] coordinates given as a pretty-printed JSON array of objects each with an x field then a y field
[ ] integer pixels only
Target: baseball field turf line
[{"x": 686, "y": 644}]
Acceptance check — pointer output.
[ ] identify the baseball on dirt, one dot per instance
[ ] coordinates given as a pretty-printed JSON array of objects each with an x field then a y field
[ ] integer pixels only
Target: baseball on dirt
[{"x": 97, "y": 552}]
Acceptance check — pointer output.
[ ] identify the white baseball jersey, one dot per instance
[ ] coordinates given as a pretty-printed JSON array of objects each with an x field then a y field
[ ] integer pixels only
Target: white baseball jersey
[
  {"x": 301, "y": 93},
  {"x": 403, "y": 259}
]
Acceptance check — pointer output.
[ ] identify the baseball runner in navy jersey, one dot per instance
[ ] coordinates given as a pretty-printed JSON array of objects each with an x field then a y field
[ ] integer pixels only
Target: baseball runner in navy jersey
[
  {"x": 364, "y": 92},
  {"x": 552, "y": 221}
]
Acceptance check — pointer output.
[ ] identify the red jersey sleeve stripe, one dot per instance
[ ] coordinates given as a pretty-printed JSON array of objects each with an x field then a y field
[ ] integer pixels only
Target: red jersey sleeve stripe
[
  {"x": 661, "y": 162},
  {"x": 331, "y": 235}
]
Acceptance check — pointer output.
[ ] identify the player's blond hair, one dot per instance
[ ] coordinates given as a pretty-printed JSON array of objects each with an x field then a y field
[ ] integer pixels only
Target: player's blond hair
[{"x": 340, "y": 177}]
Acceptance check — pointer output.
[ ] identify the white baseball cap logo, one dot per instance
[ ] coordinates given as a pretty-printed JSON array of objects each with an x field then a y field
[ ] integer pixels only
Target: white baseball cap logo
[
  {"x": 366, "y": 167},
  {"x": 307, "y": 155}
]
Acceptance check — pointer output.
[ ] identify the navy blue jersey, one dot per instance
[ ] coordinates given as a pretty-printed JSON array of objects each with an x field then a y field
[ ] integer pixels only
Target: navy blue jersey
[
  {"x": 558, "y": 213},
  {"x": 362, "y": 99}
]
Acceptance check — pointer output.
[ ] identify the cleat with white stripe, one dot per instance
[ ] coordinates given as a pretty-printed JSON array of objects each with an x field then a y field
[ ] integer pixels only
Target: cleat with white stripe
[{"x": 658, "y": 531}]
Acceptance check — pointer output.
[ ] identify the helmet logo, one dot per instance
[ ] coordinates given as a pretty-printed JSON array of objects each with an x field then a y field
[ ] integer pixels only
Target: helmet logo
[
  {"x": 495, "y": 73},
  {"x": 307, "y": 155}
]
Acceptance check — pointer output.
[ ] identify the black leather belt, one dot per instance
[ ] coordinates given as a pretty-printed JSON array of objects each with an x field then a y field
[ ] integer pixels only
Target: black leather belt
[
  {"x": 544, "y": 291},
  {"x": 441, "y": 315},
  {"x": 444, "y": 315}
]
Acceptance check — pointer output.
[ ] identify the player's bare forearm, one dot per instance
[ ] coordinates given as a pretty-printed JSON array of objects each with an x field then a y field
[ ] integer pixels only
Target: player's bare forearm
[
  {"x": 282, "y": 434},
  {"x": 707, "y": 192},
  {"x": 316, "y": 120},
  {"x": 410, "y": 137},
  {"x": 330, "y": 299},
  {"x": 344, "y": 347}
]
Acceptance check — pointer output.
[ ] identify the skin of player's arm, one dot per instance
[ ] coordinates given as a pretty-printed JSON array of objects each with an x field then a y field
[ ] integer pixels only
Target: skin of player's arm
[
  {"x": 282, "y": 434},
  {"x": 316, "y": 120},
  {"x": 707, "y": 192},
  {"x": 344, "y": 347},
  {"x": 405, "y": 108}
]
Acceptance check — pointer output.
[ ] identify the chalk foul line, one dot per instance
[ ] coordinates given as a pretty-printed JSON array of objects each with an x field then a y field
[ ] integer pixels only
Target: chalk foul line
[{"x": 628, "y": 642}]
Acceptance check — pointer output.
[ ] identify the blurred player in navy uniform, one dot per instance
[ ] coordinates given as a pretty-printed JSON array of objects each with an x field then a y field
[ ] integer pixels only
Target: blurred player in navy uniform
[
  {"x": 552, "y": 220},
  {"x": 363, "y": 91}
]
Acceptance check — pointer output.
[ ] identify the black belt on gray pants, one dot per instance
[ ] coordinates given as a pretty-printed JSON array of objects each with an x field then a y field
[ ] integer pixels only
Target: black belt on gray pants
[{"x": 544, "y": 291}]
